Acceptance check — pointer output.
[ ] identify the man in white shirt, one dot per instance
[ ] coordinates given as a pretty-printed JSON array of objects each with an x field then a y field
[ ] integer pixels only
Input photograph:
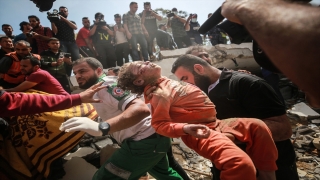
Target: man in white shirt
[{"x": 127, "y": 119}]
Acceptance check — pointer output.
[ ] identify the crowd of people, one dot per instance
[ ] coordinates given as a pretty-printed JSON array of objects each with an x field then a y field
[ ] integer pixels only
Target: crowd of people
[{"x": 235, "y": 119}]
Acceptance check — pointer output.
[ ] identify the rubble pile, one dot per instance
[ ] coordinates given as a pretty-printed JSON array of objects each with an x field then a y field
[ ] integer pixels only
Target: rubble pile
[{"x": 306, "y": 140}]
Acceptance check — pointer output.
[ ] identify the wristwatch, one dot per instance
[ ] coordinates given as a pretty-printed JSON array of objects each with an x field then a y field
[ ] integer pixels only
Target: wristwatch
[{"x": 104, "y": 127}]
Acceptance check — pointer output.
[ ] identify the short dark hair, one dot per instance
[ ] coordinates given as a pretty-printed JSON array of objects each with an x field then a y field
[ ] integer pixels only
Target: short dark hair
[
  {"x": 33, "y": 60},
  {"x": 4, "y": 37},
  {"x": 146, "y": 3},
  {"x": 98, "y": 14},
  {"x": 132, "y": 3},
  {"x": 23, "y": 23},
  {"x": 188, "y": 61},
  {"x": 117, "y": 16},
  {"x": 3, "y": 25},
  {"x": 161, "y": 25},
  {"x": 33, "y": 16},
  {"x": 196, "y": 48},
  {"x": 92, "y": 62},
  {"x": 53, "y": 39},
  {"x": 63, "y": 7},
  {"x": 23, "y": 42},
  {"x": 85, "y": 18}
]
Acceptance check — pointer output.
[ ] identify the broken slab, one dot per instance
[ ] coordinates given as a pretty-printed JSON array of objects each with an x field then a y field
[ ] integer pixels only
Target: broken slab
[
  {"x": 101, "y": 144},
  {"x": 303, "y": 111},
  {"x": 172, "y": 53},
  {"x": 78, "y": 168},
  {"x": 81, "y": 152}
]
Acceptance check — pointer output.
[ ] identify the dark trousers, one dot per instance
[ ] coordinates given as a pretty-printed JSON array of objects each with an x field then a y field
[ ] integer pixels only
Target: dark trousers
[
  {"x": 122, "y": 51},
  {"x": 135, "y": 39},
  {"x": 107, "y": 55},
  {"x": 85, "y": 51},
  {"x": 72, "y": 48},
  {"x": 64, "y": 81},
  {"x": 176, "y": 166},
  {"x": 150, "y": 43},
  {"x": 180, "y": 40}
]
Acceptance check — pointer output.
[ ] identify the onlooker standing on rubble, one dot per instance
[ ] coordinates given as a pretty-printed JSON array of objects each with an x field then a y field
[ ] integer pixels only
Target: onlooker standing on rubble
[
  {"x": 58, "y": 63},
  {"x": 177, "y": 24},
  {"x": 164, "y": 39},
  {"x": 122, "y": 45},
  {"x": 194, "y": 26},
  {"x": 149, "y": 20},
  {"x": 40, "y": 34},
  {"x": 136, "y": 32},
  {"x": 101, "y": 36},
  {"x": 25, "y": 27},
  {"x": 64, "y": 31},
  {"x": 6, "y": 46},
  {"x": 84, "y": 41},
  {"x": 7, "y": 29}
]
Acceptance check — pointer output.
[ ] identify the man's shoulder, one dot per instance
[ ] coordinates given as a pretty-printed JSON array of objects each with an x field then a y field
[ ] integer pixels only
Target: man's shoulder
[{"x": 113, "y": 89}]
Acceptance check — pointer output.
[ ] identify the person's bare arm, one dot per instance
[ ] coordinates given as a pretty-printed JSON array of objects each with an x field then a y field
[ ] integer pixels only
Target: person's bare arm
[
  {"x": 93, "y": 30},
  {"x": 22, "y": 87},
  {"x": 169, "y": 23},
  {"x": 72, "y": 25},
  {"x": 279, "y": 126},
  {"x": 54, "y": 28},
  {"x": 108, "y": 30},
  {"x": 158, "y": 17},
  {"x": 180, "y": 19},
  {"x": 288, "y": 33},
  {"x": 135, "y": 111},
  {"x": 90, "y": 46}
]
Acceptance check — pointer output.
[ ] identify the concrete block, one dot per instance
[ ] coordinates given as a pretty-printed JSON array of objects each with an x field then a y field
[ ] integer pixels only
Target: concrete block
[
  {"x": 172, "y": 53},
  {"x": 316, "y": 143},
  {"x": 103, "y": 143},
  {"x": 78, "y": 168},
  {"x": 81, "y": 152},
  {"x": 233, "y": 46},
  {"x": 303, "y": 111}
]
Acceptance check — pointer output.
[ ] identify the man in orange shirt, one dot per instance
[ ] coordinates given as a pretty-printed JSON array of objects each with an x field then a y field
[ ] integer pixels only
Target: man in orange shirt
[{"x": 176, "y": 104}]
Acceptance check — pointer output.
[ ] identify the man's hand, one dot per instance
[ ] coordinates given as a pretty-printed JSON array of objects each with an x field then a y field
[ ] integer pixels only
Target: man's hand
[
  {"x": 87, "y": 95},
  {"x": 149, "y": 92},
  {"x": 59, "y": 61},
  {"x": 67, "y": 60},
  {"x": 197, "y": 130},
  {"x": 129, "y": 35},
  {"x": 81, "y": 124},
  {"x": 230, "y": 8},
  {"x": 146, "y": 33}
]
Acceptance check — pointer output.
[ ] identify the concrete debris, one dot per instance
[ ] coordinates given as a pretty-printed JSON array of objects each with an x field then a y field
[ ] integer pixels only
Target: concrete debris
[
  {"x": 303, "y": 111},
  {"x": 78, "y": 168},
  {"x": 81, "y": 152},
  {"x": 301, "y": 173}
]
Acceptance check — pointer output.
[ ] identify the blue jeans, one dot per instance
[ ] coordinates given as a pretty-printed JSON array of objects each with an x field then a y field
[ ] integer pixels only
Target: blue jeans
[{"x": 135, "y": 39}]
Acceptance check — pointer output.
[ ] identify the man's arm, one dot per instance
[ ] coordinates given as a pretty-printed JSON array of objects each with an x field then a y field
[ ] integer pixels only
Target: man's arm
[
  {"x": 180, "y": 19},
  {"x": 169, "y": 22},
  {"x": 22, "y": 87},
  {"x": 261, "y": 101},
  {"x": 279, "y": 126},
  {"x": 288, "y": 33},
  {"x": 110, "y": 32},
  {"x": 17, "y": 104},
  {"x": 125, "y": 25},
  {"x": 48, "y": 34},
  {"x": 135, "y": 111},
  {"x": 93, "y": 30},
  {"x": 54, "y": 28},
  {"x": 71, "y": 24}
]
